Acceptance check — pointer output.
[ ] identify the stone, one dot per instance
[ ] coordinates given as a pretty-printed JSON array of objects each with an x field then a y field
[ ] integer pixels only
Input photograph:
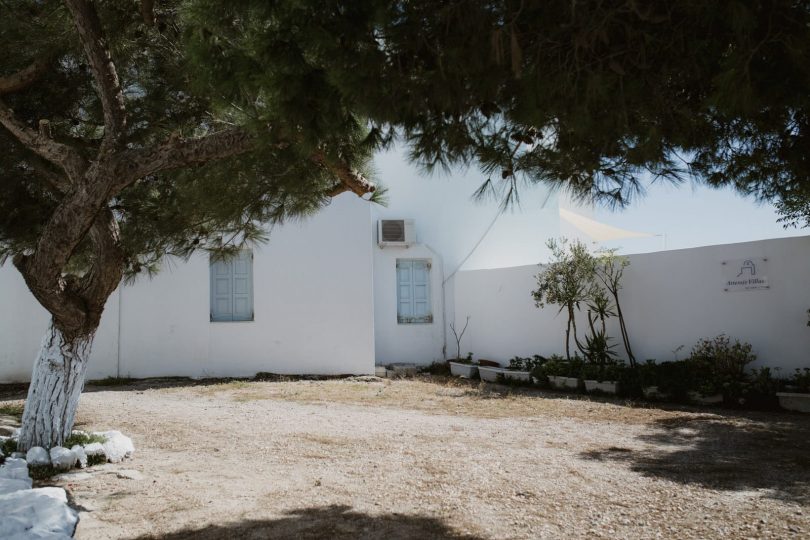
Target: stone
[
  {"x": 81, "y": 455},
  {"x": 37, "y": 456},
  {"x": 62, "y": 458},
  {"x": 129, "y": 474},
  {"x": 94, "y": 449},
  {"x": 8, "y": 431},
  {"x": 117, "y": 446}
]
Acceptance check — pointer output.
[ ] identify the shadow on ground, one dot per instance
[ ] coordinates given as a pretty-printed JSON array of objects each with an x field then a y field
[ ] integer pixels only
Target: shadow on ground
[
  {"x": 334, "y": 522},
  {"x": 745, "y": 452}
]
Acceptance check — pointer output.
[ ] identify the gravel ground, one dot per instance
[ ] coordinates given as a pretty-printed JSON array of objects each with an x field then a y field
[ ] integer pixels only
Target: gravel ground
[{"x": 431, "y": 458}]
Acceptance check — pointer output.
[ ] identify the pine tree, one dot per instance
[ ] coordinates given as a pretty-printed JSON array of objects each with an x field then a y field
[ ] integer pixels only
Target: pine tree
[
  {"x": 117, "y": 153},
  {"x": 589, "y": 96},
  {"x": 135, "y": 130}
]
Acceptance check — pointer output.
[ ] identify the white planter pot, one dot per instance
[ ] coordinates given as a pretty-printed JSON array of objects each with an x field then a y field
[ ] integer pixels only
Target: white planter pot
[
  {"x": 794, "y": 402},
  {"x": 563, "y": 382},
  {"x": 490, "y": 374},
  {"x": 517, "y": 375},
  {"x": 608, "y": 387},
  {"x": 465, "y": 371},
  {"x": 706, "y": 400}
]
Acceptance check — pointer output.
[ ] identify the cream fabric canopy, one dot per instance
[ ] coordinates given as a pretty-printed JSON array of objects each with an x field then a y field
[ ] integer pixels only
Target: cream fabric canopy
[{"x": 599, "y": 232}]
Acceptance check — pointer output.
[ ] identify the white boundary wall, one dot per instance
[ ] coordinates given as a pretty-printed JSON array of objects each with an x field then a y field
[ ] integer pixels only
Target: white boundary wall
[
  {"x": 313, "y": 303},
  {"x": 670, "y": 299}
]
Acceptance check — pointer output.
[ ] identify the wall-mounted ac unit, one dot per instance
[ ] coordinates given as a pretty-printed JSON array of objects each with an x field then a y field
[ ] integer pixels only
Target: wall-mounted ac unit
[{"x": 395, "y": 233}]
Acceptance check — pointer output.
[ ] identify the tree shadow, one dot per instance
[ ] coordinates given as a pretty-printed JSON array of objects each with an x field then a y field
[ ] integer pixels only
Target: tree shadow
[
  {"x": 334, "y": 522},
  {"x": 731, "y": 452}
]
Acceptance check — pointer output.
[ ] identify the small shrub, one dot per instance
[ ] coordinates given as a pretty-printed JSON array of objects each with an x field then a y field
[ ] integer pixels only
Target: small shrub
[
  {"x": 112, "y": 381},
  {"x": 759, "y": 390},
  {"x": 602, "y": 372},
  {"x": 801, "y": 381},
  {"x": 82, "y": 438},
  {"x": 96, "y": 460},
  {"x": 466, "y": 360},
  {"x": 8, "y": 446},
  {"x": 12, "y": 409},
  {"x": 437, "y": 368},
  {"x": 41, "y": 472},
  {"x": 526, "y": 364},
  {"x": 717, "y": 366},
  {"x": 672, "y": 379}
]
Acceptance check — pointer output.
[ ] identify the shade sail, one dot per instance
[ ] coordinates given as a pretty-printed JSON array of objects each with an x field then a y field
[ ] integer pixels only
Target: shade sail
[{"x": 597, "y": 231}]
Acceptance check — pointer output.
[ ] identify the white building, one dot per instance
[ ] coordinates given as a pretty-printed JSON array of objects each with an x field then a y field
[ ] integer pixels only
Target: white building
[{"x": 325, "y": 297}]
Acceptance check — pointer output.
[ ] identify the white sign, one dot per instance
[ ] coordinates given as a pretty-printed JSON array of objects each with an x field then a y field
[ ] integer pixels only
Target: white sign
[{"x": 745, "y": 274}]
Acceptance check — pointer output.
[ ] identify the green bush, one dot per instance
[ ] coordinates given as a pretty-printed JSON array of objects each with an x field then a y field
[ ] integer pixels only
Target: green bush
[
  {"x": 527, "y": 364},
  {"x": 717, "y": 366},
  {"x": 82, "y": 438},
  {"x": 801, "y": 381}
]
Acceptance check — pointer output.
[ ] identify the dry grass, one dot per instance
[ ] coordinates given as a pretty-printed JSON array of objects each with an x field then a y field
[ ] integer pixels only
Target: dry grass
[{"x": 440, "y": 395}]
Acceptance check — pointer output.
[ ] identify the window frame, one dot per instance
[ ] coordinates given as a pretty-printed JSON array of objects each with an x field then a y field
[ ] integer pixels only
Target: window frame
[
  {"x": 216, "y": 318},
  {"x": 427, "y": 319}
]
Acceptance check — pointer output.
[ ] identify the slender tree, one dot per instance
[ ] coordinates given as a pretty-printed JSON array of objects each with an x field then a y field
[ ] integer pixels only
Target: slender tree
[
  {"x": 609, "y": 271},
  {"x": 116, "y": 154},
  {"x": 567, "y": 281}
]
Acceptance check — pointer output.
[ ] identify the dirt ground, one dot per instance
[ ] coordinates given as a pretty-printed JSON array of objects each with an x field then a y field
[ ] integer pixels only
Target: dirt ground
[{"x": 432, "y": 458}]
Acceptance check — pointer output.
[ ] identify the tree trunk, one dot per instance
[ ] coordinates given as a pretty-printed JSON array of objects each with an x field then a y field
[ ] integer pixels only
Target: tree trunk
[{"x": 56, "y": 385}]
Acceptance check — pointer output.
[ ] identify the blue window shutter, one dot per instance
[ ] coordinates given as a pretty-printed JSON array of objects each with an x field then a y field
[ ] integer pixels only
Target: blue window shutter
[
  {"x": 242, "y": 266},
  {"x": 221, "y": 291},
  {"x": 404, "y": 291},
  {"x": 413, "y": 291},
  {"x": 421, "y": 291},
  {"x": 232, "y": 288}
]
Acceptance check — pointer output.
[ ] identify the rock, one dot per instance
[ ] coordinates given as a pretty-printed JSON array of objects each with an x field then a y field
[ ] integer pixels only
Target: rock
[
  {"x": 37, "y": 456},
  {"x": 94, "y": 449},
  {"x": 117, "y": 447},
  {"x": 62, "y": 458},
  {"x": 37, "y": 513},
  {"x": 128, "y": 474},
  {"x": 10, "y": 485},
  {"x": 74, "y": 476},
  {"x": 18, "y": 455},
  {"x": 7, "y": 431},
  {"x": 14, "y": 469},
  {"x": 81, "y": 455}
]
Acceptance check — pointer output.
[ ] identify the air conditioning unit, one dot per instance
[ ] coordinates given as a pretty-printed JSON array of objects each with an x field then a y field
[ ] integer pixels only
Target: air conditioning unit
[{"x": 395, "y": 233}]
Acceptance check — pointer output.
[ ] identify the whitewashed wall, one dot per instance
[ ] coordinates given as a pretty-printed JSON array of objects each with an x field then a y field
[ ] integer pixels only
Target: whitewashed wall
[
  {"x": 670, "y": 299},
  {"x": 313, "y": 304},
  {"x": 449, "y": 224}
]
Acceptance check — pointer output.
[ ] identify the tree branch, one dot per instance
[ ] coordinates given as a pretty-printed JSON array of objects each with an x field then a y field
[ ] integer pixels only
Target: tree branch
[
  {"x": 101, "y": 65},
  {"x": 351, "y": 178},
  {"x": 23, "y": 78},
  {"x": 132, "y": 165},
  {"x": 57, "y": 153}
]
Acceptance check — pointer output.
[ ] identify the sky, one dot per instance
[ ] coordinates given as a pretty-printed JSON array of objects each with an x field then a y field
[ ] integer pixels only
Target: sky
[
  {"x": 463, "y": 230},
  {"x": 692, "y": 216}
]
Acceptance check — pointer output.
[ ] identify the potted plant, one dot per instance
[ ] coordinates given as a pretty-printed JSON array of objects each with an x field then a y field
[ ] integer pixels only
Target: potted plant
[
  {"x": 489, "y": 370},
  {"x": 462, "y": 367},
  {"x": 797, "y": 395},
  {"x": 563, "y": 374},
  {"x": 601, "y": 378},
  {"x": 520, "y": 369}
]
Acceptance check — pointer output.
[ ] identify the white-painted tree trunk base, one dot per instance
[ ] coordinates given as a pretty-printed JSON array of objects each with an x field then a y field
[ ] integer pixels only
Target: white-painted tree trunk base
[{"x": 53, "y": 395}]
